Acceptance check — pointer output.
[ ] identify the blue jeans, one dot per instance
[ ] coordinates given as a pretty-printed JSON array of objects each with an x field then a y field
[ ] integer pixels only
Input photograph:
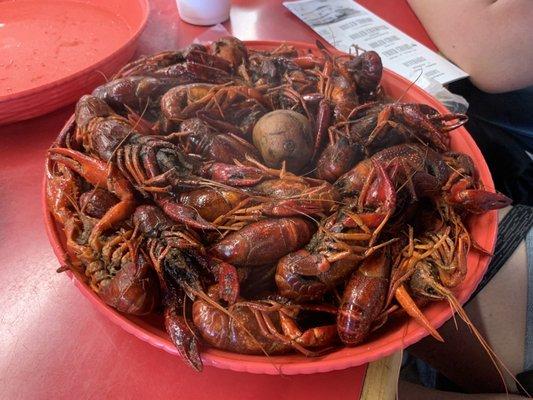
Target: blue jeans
[{"x": 502, "y": 126}]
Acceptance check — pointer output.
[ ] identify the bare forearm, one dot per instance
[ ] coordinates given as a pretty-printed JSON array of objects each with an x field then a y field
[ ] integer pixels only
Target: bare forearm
[{"x": 491, "y": 40}]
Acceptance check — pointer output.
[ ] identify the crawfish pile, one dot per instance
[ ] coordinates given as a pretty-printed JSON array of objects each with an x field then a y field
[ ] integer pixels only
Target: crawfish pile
[{"x": 263, "y": 201}]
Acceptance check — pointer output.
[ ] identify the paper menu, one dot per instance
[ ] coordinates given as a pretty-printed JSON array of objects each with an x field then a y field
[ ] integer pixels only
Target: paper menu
[{"x": 344, "y": 23}]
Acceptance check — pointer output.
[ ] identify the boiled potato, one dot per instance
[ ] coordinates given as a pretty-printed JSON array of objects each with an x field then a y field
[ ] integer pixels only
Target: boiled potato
[{"x": 284, "y": 135}]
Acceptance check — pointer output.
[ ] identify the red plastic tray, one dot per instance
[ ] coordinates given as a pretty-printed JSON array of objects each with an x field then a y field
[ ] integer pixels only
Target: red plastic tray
[
  {"x": 393, "y": 337},
  {"x": 55, "y": 51}
]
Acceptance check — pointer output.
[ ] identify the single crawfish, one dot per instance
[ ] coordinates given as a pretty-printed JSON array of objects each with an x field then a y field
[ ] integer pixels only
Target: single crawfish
[
  {"x": 183, "y": 269},
  {"x": 196, "y": 136},
  {"x": 144, "y": 66},
  {"x": 451, "y": 176},
  {"x": 288, "y": 196},
  {"x": 194, "y": 61},
  {"x": 343, "y": 239},
  {"x": 233, "y": 109},
  {"x": 342, "y": 80},
  {"x": 139, "y": 94},
  {"x": 261, "y": 326},
  {"x": 117, "y": 271},
  {"x": 378, "y": 125},
  {"x": 62, "y": 194},
  {"x": 430, "y": 264},
  {"x": 207, "y": 64}
]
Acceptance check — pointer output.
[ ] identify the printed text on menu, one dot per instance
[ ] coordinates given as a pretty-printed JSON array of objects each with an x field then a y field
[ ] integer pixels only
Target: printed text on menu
[{"x": 344, "y": 23}]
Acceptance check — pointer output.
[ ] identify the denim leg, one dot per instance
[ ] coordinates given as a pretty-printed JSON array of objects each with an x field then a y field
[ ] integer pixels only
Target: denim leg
[{"x": 528, "y": 356}]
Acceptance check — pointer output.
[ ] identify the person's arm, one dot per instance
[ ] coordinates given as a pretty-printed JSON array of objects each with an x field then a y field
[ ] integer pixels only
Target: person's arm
[{"x": 489, "y": 39}]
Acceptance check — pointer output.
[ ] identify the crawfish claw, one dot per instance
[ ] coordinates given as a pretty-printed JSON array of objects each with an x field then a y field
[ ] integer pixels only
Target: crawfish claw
[
  {"x": 309, "y": 264},
  {"x": 228, "y": 281},
  {"x": 476, "y": 201},
  {"x": 183, "y": 338},
  {"x": 233, "y": 175},
  {"x": 93, "y": 170},
  {"x": 184, "y": 214}
]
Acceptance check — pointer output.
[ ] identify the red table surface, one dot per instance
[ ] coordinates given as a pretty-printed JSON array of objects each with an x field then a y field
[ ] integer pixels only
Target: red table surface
[{"x": 53, "y": 344}]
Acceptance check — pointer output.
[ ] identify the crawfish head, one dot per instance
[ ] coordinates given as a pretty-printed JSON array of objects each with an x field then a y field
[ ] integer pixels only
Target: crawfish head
[
  {"x": 97, "y": 202},
  {"x": 272, "y": 70},
  {"x": 133, "y": 289},
  {"x": 90, "y": 107},
  {"x": 366, "y": 69},
  {"x": 181, "y": 267},
  {"x": 147, "y": 159},
  {"x": 151, "y": 221},
  {"x": 338, "y": 158},
  {"x": 100, "y": 129},
  {"x": 230, "y": 49},
  {"x": 424, "y": 281},
  {"x": 107, "y": 135},
  {"x": 138, "y": 93}
]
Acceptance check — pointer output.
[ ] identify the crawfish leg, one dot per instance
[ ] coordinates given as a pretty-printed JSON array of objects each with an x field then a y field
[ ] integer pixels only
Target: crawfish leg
[
  {"x": 269, "y": 330},
  {"x": 322, "y": 123},
  {"x": 410, "y": 307},
  {"x": 383, "y": 122},
  {"x": 319, "y": 336}
]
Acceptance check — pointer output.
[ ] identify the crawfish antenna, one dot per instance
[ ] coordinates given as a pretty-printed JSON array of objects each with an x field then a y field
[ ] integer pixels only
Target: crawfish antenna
[
  {"x": 323, "y": 49},
  {"x": 410, "y": 85}
]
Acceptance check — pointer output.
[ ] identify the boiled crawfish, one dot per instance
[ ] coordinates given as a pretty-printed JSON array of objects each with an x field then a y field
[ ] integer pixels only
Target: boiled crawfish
[
  {"x": 346, "y": 237},
  {"x": 167, "y": 205},
  {"x": 427, "y": 173},
  {"x": 116, "y": 268},
  {"x": 260, "y": 326}
]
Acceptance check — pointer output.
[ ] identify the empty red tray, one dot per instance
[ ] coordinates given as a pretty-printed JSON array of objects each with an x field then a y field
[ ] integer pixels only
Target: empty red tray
[{"x": 52, "y": 52}]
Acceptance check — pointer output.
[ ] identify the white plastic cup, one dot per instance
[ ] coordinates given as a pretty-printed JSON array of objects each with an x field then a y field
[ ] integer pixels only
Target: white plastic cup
[{"x": 204, "y": 12}]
